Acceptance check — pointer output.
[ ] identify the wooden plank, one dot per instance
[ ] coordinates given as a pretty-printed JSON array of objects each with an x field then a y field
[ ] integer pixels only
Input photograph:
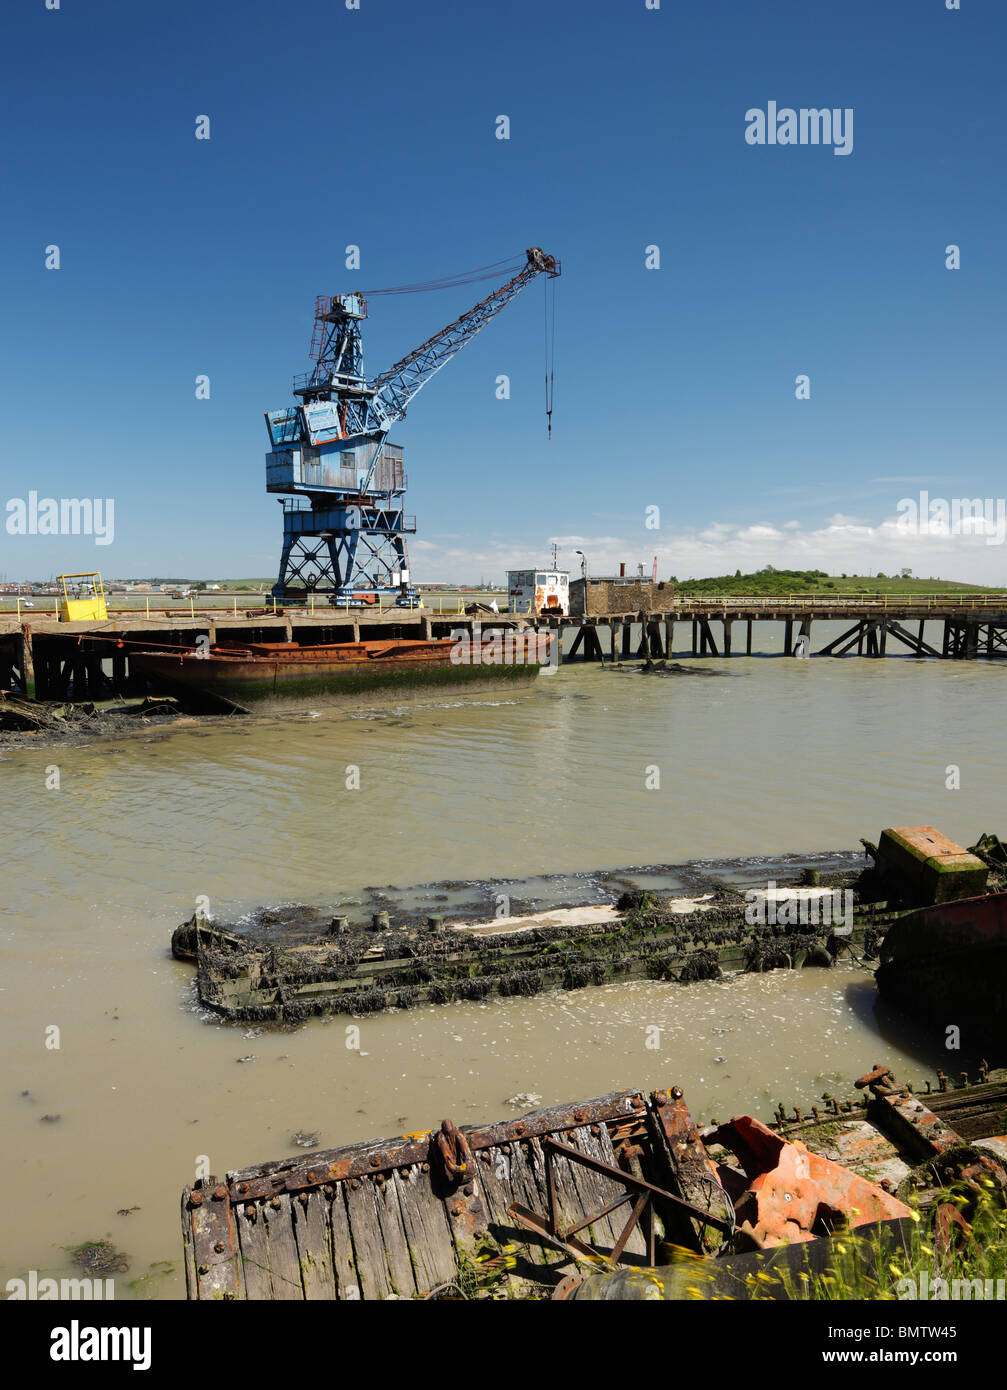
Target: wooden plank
[
  {"x": 426, "y": 1226},
  {"x": 253, "y": 1237},
  {"x": 314, "y": 1244},
  {"x": 510, "y": 1177},
  {"x": 393, "y": 1236},
  {"x": 533, "y": 1175},
  {"x": 191, "y": 1282},
  {"x": 595, "y": 1191},
  {"x": 284, "y": 1265},
  {"x": 344, "y": 1264},
  {"x": 371, "y": 1267}
]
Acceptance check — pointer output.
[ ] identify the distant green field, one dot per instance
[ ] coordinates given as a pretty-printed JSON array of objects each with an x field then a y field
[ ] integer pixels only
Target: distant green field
[{"x": 781, "y": 582}]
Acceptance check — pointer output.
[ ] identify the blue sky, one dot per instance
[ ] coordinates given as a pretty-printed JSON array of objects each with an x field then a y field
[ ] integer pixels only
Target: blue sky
[{"x": 675, "y": 387}]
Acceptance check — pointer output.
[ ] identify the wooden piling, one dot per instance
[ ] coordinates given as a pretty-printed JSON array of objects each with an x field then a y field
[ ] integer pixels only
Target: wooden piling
[{"x": 26, "y": 660}]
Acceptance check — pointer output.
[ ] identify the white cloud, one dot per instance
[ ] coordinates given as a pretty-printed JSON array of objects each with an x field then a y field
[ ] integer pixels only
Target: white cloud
[{"x": 841, "y": 544}]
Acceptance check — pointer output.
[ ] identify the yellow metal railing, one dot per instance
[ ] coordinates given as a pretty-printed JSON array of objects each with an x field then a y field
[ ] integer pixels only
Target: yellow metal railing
[{"x": 92, "y": 608}]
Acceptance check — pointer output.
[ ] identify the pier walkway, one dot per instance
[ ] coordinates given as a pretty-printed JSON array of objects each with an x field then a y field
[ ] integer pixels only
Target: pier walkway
[{"x": 41, "y": 655}]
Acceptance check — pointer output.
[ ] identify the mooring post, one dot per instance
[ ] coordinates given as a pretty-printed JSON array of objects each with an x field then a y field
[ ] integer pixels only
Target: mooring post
[{"x": 26, "y": 660}]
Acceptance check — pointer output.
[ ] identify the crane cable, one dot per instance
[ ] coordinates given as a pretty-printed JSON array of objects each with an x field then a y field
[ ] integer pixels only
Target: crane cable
[
  {"x": 447, "y": 282},
  {"x": 550, "y": 352}
]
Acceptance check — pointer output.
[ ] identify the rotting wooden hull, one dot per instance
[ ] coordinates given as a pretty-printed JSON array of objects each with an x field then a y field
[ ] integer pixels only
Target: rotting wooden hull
[{"x": 268, "y": 671}]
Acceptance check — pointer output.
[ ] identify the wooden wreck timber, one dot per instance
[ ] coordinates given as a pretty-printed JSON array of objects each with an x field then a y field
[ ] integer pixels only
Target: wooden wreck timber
[
  {"x": 256, "y": 975},
  {"x": 622, "y": 1181}
]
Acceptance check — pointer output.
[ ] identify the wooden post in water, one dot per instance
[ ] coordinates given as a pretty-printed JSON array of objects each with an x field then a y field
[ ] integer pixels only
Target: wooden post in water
[
  {"x": 694, "y": 625},
  {"x": 727, "y": 636},
  {"x": 788, "y": 637},
  {"x": 748, "y": 644},
  {"x": 119, "y": 670},
  {"x": 26, "y": 660}
]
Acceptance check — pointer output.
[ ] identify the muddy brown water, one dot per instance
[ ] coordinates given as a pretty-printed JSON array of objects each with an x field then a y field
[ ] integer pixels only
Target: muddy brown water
[{"x": 764, "y": 757}]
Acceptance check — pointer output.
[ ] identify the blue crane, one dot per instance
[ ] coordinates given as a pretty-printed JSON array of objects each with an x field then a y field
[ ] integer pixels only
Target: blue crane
[{"x": 343, "y": 483}]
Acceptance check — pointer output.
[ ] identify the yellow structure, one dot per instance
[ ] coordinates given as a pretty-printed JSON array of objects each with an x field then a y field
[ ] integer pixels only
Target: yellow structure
[{"x": 75, "y": 609}]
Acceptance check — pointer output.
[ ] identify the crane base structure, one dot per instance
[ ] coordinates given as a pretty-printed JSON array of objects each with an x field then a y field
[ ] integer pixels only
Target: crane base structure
[{"x": 343, "y": 483}]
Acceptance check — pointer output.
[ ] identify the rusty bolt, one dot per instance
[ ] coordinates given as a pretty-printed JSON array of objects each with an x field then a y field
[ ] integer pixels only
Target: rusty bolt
[
  {"x": 580, "y": 1115},
  {"x": 219, "y": 1246},
  {"x": 596, "y": 1130},
  {"x": 374, "y": 1160},
  {"x": 203, "y": 1269},
  {"x": 676, "y": 1093},
  {"x": 519, "y": 1129},
  {"x": 424, "y": 1167},
  {"x": 468, "y": 1189},
  {"x": 457, "y": 1209},
  {"x": 275, "y": 1203},
  {"x": 637, "y": 1102},
  {"x": 250, "y": 1210},
  {"x": 195, "y": 1199},
  {"x": 243, "y": 1189},
  {"x": 219, "y": 1193}
]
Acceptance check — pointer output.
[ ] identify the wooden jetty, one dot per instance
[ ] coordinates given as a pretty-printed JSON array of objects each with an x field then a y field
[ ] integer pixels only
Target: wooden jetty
[
  {"x": 613, "y": 1181},
  {"x": 42, "y": 656}
]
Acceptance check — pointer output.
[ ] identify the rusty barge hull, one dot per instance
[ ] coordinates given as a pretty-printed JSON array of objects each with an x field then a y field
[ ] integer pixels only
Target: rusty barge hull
[
  {"x": 270, "y": 670},
  {"x": 616, "y": 1180},
  {"x": 949, "y": 962}
]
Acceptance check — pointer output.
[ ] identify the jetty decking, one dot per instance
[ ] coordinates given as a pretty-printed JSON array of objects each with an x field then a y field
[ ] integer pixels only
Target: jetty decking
[{"x": 50, "y": 659}]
